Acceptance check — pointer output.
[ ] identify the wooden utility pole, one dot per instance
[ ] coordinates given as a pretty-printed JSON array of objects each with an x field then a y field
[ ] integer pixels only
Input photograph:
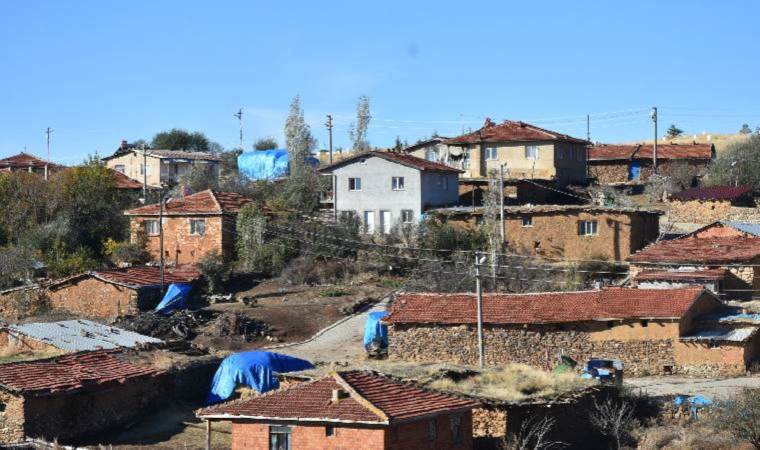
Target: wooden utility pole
[
  {"x": 329, "y": 126},
  {"x": 145, "y": 174},
  {"x": 501, "y": 202},
  {"x": 239, "y": 116},
  {"x": 654, "y": 147},
  {"x": 588, "y": 127},
  {"x": 208, "y": 434},
  {"x": 161, "y": 235},
  {"x": 479, "y": 295},
  {"x": 48, "y": 132}
]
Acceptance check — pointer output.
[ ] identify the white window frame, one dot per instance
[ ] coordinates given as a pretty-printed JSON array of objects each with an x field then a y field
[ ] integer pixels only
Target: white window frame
[
  {"x": 147, "y": 227},
  {"x": 121, "y": 168},
  {"x": 356, "y": 182},
  {"x": 492, "y": 153},
  {"x": 397, "y": 184},
  {"x": 527, "y": 221},
  {"x": 531, "y": 152},
  {"x": 588, "y": 228},
  {"x": 407, "y": 216},
  {"x": 194, "y": 227},
  {"x": 365, "y": 224},
  {"x": 144, "y": 169},
  {"x": 431, "y": 154}
]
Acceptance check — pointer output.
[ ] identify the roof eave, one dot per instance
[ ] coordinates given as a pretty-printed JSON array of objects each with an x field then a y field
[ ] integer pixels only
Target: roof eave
[{"x": 288, "y": 419}]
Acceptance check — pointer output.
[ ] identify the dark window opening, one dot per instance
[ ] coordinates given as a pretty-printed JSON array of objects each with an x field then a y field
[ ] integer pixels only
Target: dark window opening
[
  {"x": 329, "y": 431},
  {"x": 280, "y": 437},
  {"x": 667, "y": 370},
  {"x": 610, "y": 324},
  {"x": 644, "y": 323}
]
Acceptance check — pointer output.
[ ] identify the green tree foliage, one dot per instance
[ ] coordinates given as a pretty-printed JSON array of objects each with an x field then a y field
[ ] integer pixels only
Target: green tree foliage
[
  {"x": 27, "y": 200},
  {"x": 15, "y": 265},
  {"x": 298, "y": 139},
  {"x": 200, "y": 177},
  {"x": 178, "y": 139},
  {"x": 265, "y": 144},
  {"x": 739, "y": 164},
  {"x": 745, "y": 129},
  {"x": 740, "y": 416},
  {"x": 258, "y": 250},
  {"x": 214, "y": 270},
  {"x": 674, "y": 132},
  {"x": 357, "y": 132}
]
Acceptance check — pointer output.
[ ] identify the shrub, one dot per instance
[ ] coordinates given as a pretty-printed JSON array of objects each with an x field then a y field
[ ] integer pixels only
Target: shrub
[
  {"x": 614, "y": 418},
  {"x": 121, "y": 253},
  {"x": 740, "y": 416},
  {"x": 334, "y": 292},
  {"x": 62, "y": 263},
  {"x": 214, "y": 270}
]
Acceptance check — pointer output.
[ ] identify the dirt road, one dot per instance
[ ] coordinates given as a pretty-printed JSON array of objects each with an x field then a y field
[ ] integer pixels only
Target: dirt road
[{"x": 709, "y": 387}]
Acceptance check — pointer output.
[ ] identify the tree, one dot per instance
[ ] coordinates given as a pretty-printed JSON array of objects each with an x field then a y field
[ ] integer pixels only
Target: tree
[
  {"x": 614, "y": 419},
  {"x": 214, "y": 270},
  {"x": 298, "y": 138},
  {"x": 178, "y": 139},
  {"x": 673, "y": 132},
  {"x": 740, "y": 416},
  {"x": 739, "y": 164},
  {"x": 357, "y": 132},
  {"x": 745, "y": 129},
  {"x": 265, "y": 144},
  {"x": 199, "y": 178}
]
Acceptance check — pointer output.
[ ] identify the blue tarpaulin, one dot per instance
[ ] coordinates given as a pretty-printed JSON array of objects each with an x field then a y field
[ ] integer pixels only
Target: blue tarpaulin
[
  {"x": 267, "y": 164},
  {"x": 374, "y": 330},
  {"x": 696, "y": 403},
  {"x": 255, "y": 369},
  {"x": 174, "y": 298}
]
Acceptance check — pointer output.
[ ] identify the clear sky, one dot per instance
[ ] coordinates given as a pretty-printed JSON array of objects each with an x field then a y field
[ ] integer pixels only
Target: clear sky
[{"x": 100, "y": 71}]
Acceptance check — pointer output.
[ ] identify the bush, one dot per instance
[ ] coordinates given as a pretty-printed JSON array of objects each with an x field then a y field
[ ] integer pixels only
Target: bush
[
  {"x": 125, "y": 253},
  {"x": 311, "y": 270},
  {"x": 334, "y": 292},
  {"x": 740, "y": 416},
  {"x": 214, "y": 270},
  {"x": 63, "y": 263}
]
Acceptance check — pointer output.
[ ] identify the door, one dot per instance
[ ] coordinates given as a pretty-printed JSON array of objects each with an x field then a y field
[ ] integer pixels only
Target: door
[
  {"x": 385, "y": 221},
  {"x": 634, "y": 170},
  {"x": 369, "y": 222}
]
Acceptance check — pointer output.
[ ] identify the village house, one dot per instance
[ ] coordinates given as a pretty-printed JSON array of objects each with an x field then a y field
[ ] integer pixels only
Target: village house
[
  {"x": 113, "y": 293},
  {"x": 72, "y": 396},
  {"x": 617, "y": 164},
  {"x": 24, "y": 162},
  {"x": 158, "y": 167},
  {"x": 354, "y": 409},
  {"x": 653, "y": 331},
  {"x": 385, "y": 188},
  {"x": 727, "y": 262},
  {"x": 568, "y": 231},
  {"x": 703, "y": 205},
  {"x": 436, "y": 150},
  {"x": 193, "y": 226},
  {"x": 726, "y": 228}
]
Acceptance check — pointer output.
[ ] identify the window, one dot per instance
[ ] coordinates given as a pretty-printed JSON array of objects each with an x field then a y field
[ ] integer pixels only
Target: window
[
  {"x": 560, "y": 153},
  {"x": 119, "y": 168},
  {"x": 354, "y": 184},
  {"x": 431, "y": 154},
  {"x": 197, "y": 227},
  {"x": 397, "y": 183},
  {"x": 407, "y": 216},
  {"x": 531, "y": 152},
  {"x": 369, "y": 222},
  {"x": 587, "y": 227},
  {"x": 279, "y": 437},
  {"x": 456, "y": 428},
  {"x": 151, "y": 227},
  {"x": 466, "y": 159},
  {"x": 329, "y": 431},
  {"x": 432, "y": 429},
  {"x": 491, "y": 153},
  {"x": 527, "y": 221},
  {"x": 144, "y": 170}
]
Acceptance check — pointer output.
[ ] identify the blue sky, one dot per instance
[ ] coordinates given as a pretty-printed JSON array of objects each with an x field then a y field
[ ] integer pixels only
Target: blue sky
[{"x": 100, "y": 71}]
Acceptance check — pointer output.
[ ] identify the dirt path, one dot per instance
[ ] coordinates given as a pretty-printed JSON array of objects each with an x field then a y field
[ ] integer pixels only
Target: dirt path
[
  {"x": 341, "y": 342},
  {"x": 709, "y": 387}
]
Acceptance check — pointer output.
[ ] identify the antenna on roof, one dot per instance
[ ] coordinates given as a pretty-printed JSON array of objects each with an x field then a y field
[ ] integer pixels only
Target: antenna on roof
[{"x": 239, "y": 116}]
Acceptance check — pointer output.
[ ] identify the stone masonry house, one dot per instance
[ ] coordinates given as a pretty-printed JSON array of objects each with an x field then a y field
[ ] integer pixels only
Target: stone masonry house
[
  {"x": 352, "y": 410},
  {"x": 728, "y": 262},
  {"x": 568, "y": 231},
  {"x": 24, "y": 162},
  {"x": 192, "y": 226},
  {"x": 645, "y": 328},
  {"x": 157, "y": 166},
  {"x": 117, "y": 292},
  {"x": 703, "y": 205},
  {"x": 613, "y": 164},
  {"x": 525, "y": 150},
  {"x": 385, "y": 188},
  {"x": 73, "y": 396}
]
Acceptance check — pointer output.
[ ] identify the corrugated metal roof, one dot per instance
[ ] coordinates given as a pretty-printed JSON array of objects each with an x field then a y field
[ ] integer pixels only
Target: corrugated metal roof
[
  {"x": 750, "y": 228},
  {"x": 733, "y": 335},
  {"x": 80, "y": 335}
]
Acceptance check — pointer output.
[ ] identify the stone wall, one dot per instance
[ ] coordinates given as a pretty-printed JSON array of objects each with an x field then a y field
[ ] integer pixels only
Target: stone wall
[
  {"x": 90, "y": 297},
  {"x": 698, "y": 211},
  {"x": 607, "y": 172},
  {"x": 11, "y": 418},
  {"x": 181, "y": 247}
]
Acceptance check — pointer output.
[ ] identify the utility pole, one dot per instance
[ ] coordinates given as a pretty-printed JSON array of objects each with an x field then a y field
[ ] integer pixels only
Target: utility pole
[
  {"x": 48, "y": 132},
  {"x": 145, "y": 173},
  {"x": 501, "y": 202},
  {"x": 479, "y": 294},
  {"x": 329, "y": 126},
  {"x": 588, "y": 127},
  {"x": 161, "y": 235},
  {"x": 654, "y": 147},
  {"x": 239, "y": 116}
]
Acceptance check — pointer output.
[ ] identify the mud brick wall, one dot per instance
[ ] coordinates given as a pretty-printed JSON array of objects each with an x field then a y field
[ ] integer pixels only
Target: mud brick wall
[
  {"x": 91, "y": 297},
  {"x": 10, "y": 344},
  {"x": 11, "y": 418},
  {"x": 698, "y": 211},
  {"x": 181, "y": 247}
]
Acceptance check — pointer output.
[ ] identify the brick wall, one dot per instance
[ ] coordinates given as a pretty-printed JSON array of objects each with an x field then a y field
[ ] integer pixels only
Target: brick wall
[
  {"x": 10, "y": 344},
  {"x": 181, "y": 247},
  {"x": 91, "y": 297}
]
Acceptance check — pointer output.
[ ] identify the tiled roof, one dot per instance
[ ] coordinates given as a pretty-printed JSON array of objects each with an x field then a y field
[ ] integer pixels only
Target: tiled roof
[
  {"x": 25, "y": 160},
  {"x": 204, "y": 202},
  {"x": 136, "y": 277},
  {"x": 80, "y": 335},
  {"x": 168, "y": 154},
  {"x": 547, "y": 209},
  {"x": 543, "y": 308},
  {"x": 509, "y": 131},
  {"x": 124, "y": 182},
  {"x": 712, "y": 193},
  {"x": 686, "y": 275},
  {"x": 607, "y": 152},
  {"x": 371, "y": 398},
  {"x": 406, "y": 160},
  {"x": 713, "y": 250},
  {"x": 80, "y": 371},
  {"x": 752, "y": 229}
]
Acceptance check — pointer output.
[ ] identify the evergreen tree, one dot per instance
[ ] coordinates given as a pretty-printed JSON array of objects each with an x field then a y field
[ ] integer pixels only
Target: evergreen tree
[
  {"x": 358, "y": 131},
  {"x": 674, "y": 131}
]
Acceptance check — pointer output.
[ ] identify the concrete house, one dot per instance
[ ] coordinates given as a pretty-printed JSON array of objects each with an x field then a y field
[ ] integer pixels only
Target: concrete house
[
  {"x": 525, "y": 150},
  {"x": 385, "y": 189},
  {"x": 614, "y": 164},
  {"x": 192, "y": 226},
  {"x": 157, "y": 166},
  {"x": 349, "y": 410},
  {"x": 652, "y": 331}
]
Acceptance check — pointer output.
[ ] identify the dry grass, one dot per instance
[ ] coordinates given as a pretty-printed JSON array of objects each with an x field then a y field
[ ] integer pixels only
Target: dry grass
[
  {"x": 721, "y": 141},
  {"x": 9, "y": 354}
]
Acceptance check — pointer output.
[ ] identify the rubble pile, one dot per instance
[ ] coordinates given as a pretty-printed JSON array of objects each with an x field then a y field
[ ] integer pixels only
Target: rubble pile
[{"x": 187, "y": 325}]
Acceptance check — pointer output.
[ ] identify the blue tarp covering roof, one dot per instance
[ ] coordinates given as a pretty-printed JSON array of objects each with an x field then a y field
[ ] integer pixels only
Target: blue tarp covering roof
[
  {"x": 267, "y": 164},
  {"x": 374, "y": 330},
  {"x": 255, "y": 369},
  {"x": 174, "y": 298}
]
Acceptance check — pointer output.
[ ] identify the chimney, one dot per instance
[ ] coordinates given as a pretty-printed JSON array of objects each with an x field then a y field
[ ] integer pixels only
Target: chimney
[
  {"x": 338, "y": 395},
  {"x": 489, "y": 123},
  {"x": 123, "y": 145}
]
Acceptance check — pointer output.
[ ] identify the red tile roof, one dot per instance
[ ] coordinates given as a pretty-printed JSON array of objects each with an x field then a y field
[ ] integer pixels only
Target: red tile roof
[
  {"x": 136, "y": 277},
  {"x": 167, "y": 154},
  {"x": 69, "y": 373},
  {"x": 371, "y": 398},
  {"x": 712, "y": 193},
  {"x": 675, "y": 275},
  {"x": 204, "y": 202},
  {"x": 608, "y": 152},
  {"x": 124, "y": 182},
  {"x": 406, "y": 160},
  {"x": 543, "y": 308},
  {"x": 509, "y": 131},
  {"x": 25, "y": 160},
  {"x": 715, "y": 250}
]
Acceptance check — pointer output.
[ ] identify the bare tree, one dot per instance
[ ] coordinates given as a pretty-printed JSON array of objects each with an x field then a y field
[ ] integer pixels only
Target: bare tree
[
  {"x": 613, "y": 418},
  {"x": 298, "y": 138},
  {"x": 358, "y": 131},
  {"x": 740, "y": 416},
  {"x": 533, "y": 435}
]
